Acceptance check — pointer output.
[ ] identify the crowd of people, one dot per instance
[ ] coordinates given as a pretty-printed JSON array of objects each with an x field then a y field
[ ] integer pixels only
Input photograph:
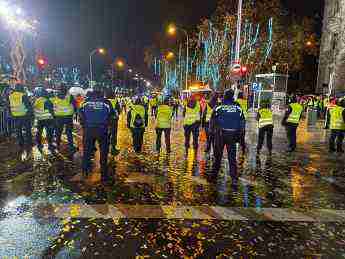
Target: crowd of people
[{"x": 222, "y": 117}]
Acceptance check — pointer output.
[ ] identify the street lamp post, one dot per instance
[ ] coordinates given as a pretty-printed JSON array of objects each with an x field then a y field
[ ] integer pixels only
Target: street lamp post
[
  {"x": 101, "y": 51},
  {"x": 238, "y": 33},
  {"x": 172, "y": 30}
]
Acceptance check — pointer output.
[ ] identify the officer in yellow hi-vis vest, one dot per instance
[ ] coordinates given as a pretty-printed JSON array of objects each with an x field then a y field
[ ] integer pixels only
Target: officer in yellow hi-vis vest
[
  {"x": 44, "y": 114},
  {"x": 244, "y": 106},
  {"x": 64, "y": 110},
  {"x": 137, "y": 120},
  {"x": 22, "y": 113},
  {"x": 117, "y": 111},
  {"x": 291, "y": 121},
  {"x": 336, "y": 122},
  {"x": 265, "y": 125},
  {"x": 206, "y": 116},
  {"x": 192, "y": 119},
  {"x": 163, "y": 124}
]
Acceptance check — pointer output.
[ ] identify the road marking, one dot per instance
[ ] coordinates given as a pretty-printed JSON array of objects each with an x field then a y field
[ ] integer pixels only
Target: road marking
[{"x": 118, "y": 211}]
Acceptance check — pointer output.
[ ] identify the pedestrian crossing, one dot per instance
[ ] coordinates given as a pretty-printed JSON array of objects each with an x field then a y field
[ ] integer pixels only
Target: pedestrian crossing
[{"x": 177, "y": 212}]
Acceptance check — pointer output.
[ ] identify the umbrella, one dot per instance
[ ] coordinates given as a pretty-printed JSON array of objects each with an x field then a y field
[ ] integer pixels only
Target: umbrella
[{"x": 76, "y": 91}]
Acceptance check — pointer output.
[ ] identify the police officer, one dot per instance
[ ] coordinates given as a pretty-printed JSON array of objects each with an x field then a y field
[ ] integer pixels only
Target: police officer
[
  {"x": 64, "y": 109},
  {"x": 163, "y": 124},
  {"x": 117, "y": 111},
  {"x": 192, "y": 119},
  {"x": 336, "y": 122},
  {"x": 207, "y": 113},
  {"x": 44, "y": 114},
  {"x": 137, "y": 120},
  {"x": 153, "y": 104},
  {"x": 265, "y": 125},
  {"x": 291, "y": 121},
  {"x": 22, "y": 113},
  {"x": 227, "y": 123},
  {"x": 244, "y": 106},
  {"x": 96, "y": 116}
]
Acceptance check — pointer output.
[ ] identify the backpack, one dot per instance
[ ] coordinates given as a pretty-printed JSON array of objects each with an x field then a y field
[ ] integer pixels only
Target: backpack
[{"x": 138, "y": 121}]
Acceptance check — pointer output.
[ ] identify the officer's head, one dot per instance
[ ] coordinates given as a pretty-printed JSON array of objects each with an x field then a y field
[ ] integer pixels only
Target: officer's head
[
  {"x": 341, "y": 102},
  {"x": 98, "y": 91},
  {"x": 62, "y": 88},
  {"x": 44, "y": 93},
  {"x": 265, "y": 104},
  {"x": 19, "y": 88},
  {"x": 138, "y": 101},
  {"x": 229, "y": 95},
  {"x": 240, "y": 95},
  {"x": 109, "y": 93}
]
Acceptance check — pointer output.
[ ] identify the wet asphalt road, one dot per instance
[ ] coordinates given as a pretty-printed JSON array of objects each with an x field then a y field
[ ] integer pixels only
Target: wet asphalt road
[{"x": 161, "y": 206}]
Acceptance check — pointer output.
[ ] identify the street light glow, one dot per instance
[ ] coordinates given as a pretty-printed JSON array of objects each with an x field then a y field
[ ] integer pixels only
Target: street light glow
[
  {"x": 172, "y": 29},
  {"x": 170, "y": 55},
  {"x": 101, "y": 51},
  {"x": 120, "y": 63},
  {"x": 130, "y": 70}
]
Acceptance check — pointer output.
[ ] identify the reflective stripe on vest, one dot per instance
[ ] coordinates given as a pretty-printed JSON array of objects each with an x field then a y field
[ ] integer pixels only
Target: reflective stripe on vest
[
  {"x": 137, "y": 109},
  {"x": 337, "y": 121},
  {"x": 244, "y": 106},
  {"x": 295, "y": 114},
  {"x": 192, "y": 115},
  {"x": 209, "y": 111},
  {"x": 63, "y": 107},
  {"x": 164, "y": 115},
  {"x": 40, "y": 112},
  {"x": 113, "y": 103},
  {"x": 18, "y": 108},
  {"x": 266, "y": 118}
]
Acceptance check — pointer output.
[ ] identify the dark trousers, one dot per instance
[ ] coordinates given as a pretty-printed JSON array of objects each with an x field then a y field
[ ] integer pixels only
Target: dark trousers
[
  {"x": 138, "y": 138},
  {"x": 91, "y": 135},
  {"x": 228, "y": 139},
  {"x": 48, "y": 125},
  {"x": 291, "y": 131},
  {"x": 337, "y": 137},
  {"x": 268, "y": 131},
  {"x": 67, "y": 124},
  {"x": 159, "y": 139},
  {"x": 113, "y": 136},
  {"x": 209, "y": 137},
  {"x": 191, "y": 130},
  {"x": 23, "y": 124}
]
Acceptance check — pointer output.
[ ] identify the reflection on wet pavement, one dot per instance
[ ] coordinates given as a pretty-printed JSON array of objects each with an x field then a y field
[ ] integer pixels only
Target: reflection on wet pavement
[{"x": 162, "y": 206}]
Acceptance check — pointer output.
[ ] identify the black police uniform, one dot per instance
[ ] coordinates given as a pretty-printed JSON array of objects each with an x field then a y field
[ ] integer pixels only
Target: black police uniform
[
  {"x": 226, "y": 123},
  {"x": 96, "y": 117}
]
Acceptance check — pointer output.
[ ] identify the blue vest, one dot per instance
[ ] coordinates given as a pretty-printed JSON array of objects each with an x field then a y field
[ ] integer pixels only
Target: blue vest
[
  {"x": 96, "y": 113},
  {"x": 229, "y": 117}
]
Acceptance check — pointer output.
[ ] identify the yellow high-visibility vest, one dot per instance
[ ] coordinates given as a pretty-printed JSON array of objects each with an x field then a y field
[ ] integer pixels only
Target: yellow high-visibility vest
[
  {"x": 135, "y": 110},
  {"x": 244, "y": 106},
  {"x": 40, "y": 112},
  {"x": 63, "y": 107},
  {"x": 295, "y": 115},
  {"x": 209, "y": 111},
  {"x": 17, "y": 106},
  {"x": 192, "y": 115},
  {"x": 164, "y": 115},
  {"x": 337, "y": 121},
  {"x": 266, "y": 118}
]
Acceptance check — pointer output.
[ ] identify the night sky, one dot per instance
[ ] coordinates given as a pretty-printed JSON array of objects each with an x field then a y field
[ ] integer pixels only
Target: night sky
[{"x": 70, "y": 29}]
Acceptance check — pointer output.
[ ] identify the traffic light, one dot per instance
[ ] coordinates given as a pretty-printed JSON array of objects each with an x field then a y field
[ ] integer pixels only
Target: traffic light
[
  {"x": 244, "y": 70},
  {"x": 41, "y": 63}
]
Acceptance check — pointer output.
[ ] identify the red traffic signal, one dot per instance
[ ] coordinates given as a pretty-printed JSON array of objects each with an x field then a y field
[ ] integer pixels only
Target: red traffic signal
[
  {"x": 244, "y": 70},
  {"x": 41, "y": 61}
]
